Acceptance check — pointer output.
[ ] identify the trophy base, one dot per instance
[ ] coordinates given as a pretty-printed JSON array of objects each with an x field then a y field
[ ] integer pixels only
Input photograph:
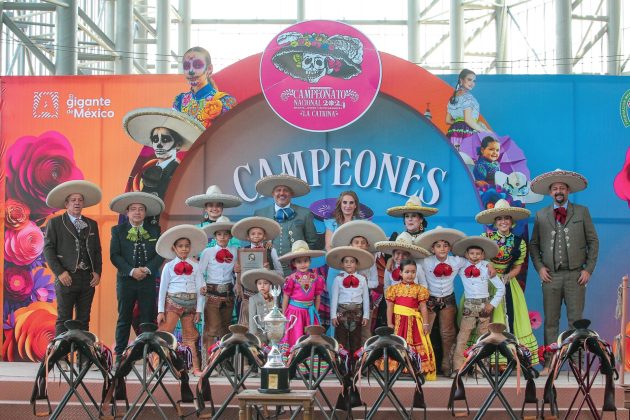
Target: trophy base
[{"x": 274, "y": 380}]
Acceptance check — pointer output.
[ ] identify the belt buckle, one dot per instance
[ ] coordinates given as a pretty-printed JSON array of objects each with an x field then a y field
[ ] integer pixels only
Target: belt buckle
[
  {"x": 223, "y": 287},
  {"x": 82, "y": 266}
]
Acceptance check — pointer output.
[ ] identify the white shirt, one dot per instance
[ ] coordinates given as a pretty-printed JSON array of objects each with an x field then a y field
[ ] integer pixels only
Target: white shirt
[
  {"x": 441, "y": 286},
  {"x": 477, "y": 287},
  {"x": 277, "y": 265},
  {"x": 215, "y": 272},
  {"x": 277, "y": 207},
  {"x": 341, "y": 294},
  {"x": 420, "y": 277},
  {"x": 371, "y": 274},
  {"x": 166, "y": 162},
  {"x": 183, "y": 283}
]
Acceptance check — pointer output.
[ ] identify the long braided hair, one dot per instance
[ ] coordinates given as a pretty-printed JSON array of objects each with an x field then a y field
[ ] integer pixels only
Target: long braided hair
[{"x": 462, "y": 76}]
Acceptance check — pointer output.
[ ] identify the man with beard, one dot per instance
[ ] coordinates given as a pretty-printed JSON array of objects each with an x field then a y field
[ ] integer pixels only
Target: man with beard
[{"x": 564, "y": 249}]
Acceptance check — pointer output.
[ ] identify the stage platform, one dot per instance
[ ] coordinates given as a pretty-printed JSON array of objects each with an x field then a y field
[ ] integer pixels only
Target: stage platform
[{"x": 16, "y": 384}]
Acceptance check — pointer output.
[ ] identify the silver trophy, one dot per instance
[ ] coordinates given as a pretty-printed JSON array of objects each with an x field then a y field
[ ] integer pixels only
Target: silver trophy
[{"x": 275, "y": 375}]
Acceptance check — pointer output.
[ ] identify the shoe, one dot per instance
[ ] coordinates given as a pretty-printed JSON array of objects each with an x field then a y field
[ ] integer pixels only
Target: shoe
[
  {"x": 453, "y": 375},
  {"x": 544, "y": 372},
  {"x": 197, "y": 373}
]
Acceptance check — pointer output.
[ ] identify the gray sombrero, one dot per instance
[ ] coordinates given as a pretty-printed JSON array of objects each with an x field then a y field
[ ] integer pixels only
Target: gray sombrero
[
  {"x": 344, "y": 234},
  {"x": 140, "y": 122},
  {"x": 335, "y": 255},
  {"x": 242, "y": 227},
  {"x": 250, "y": 277},
  {"x": 222, "y": 223},
  {"x": 266, "y": 185},
  {"x": 413, "y": 205},
  {"x": 543, "y": 182},
  {"x": 91, "y": 193},
  {"x": 490, "y": 247},
  {"x": 213, "y": 195},
  {"x": 427, "y": 239},
  {"x": 300, "y": 249},
  {"x": 403, "y": 242},
  {"x": 153, "y": 204},
  {"x": 197, "y": 237},
  {"x": 501, "y": 208}
]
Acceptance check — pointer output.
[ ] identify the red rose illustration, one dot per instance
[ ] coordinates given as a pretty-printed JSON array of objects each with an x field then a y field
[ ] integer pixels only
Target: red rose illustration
[
  {"x": 34, "y": 329},
  {"x": 535, "y": 319},
  {"x": 22, "y": 247},
  {"x": 18, "y": 283},
  {"x": 16, "y": 214},
  {"x": 35, "y": 165}
]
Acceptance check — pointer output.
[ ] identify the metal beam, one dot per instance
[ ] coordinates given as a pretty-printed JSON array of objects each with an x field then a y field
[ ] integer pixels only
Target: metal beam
[
  {"x": 614, "y": 46},
  {"x": 501, "y": 20},
  {"x": 384, "y": 22},
  {"x": 124, "y": 36},
  {"x": 457, "y": 35},
  {"x": 580, "y": 55},
  {"x": 6, "y": 20},
  {"x": 413, "y": 31},
  {"x": 301, "y": 10},
  {"x": 163, "y": 36},
  {"x": 28, "y": 6},
  {"x": 563, "y": 37},
  {"x": 184, "y": 27}
]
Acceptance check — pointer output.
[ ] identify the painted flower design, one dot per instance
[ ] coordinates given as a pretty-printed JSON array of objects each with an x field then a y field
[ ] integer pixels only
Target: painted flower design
[
  {"x": 23, "y": 247},
  {"x": 28, "y": 332},
  {"x": 535, "y": 319},
  {"x": 16, "y": 214},
  {"x": 37, "y": 164},
  {"x": 211, "y": 110},
  {"x": 18, "y": 283},
  {"x": 43, "y": 288}
]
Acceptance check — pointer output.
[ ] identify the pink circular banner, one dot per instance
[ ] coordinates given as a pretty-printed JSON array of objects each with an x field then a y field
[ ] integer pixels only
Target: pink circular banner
[{"x": 320, "y": 75}]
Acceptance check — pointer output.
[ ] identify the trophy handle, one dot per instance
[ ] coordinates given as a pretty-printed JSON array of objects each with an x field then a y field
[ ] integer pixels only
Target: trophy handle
[
  {"x": 292, "y": 320},
  {"x": 257, "y": 321}
]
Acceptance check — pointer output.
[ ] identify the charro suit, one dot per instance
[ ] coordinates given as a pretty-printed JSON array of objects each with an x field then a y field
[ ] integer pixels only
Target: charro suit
[
  {"x": 300, "y": 227},
  {"x": 580, "y": 247},
  {"x": 125, "y": 255},
  {"x": 63, "y": 252}
]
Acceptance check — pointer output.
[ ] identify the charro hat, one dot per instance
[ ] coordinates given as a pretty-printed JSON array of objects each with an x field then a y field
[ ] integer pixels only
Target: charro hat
[
  {"x": 222, "y": 223},
  {"x": 140, "y": 122},
  {"x": 153, "y": 204},
  {"x": 300, "y": 249},
  {"x": 575, "y": 181},
  {"x": 250, "y": 277},
  {"x": 213, "y": 195},
  {"x": 413, "y": 205},
  {"x": 90, "y": 191},
  {"x": 344, "y": 234},
  {"x": 403, "y": 242},
  {"x": 335, "y": 255},
  {"x": 197, "y": 237},
  {"x": 490, "y": 247},
  {"x": 266, "y": 185},
  {"x": 427, "y": 239},
  {"x": 242, "y": 227},
  {"x": 501, "y": 208}
]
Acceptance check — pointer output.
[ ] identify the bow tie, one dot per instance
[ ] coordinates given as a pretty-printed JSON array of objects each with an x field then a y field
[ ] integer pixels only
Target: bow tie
[
  {"x": 285, "y": 214},
  {"x": 561, "y": 215},
  {"x": 472, "y": 271},
  {"x": 351, "y": 281},
  {"x": 224, "y": 256},
  {"x": 183, "y": 267},
  {"x": 443, "y": 270},
  {"x": 396, "y": 275}
]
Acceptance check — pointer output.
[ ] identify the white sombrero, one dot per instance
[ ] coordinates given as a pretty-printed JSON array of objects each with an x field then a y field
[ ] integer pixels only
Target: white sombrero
[
  {"x": 91, "y": 193},
  {"x": 213, "y": 195},
  {"x": 575, "y": 181},
  {"x": 344, "y": 234},
  {"x": 413, "y": 205},
  {"x": 490, "y": 247},
  {"x": 140, "y": 122},
  {"x": 152, "y": 203},
  {"x": 501, "y": 208},
  {"x": 222, "y": 223},
  {"x": 197, "y": 237},
  {"x": 265, "y": 185},
  {"x": 335, "y": 255},
  {"x": 427, "y": 239},
  {"x": 250, "y": 277},
  {"x": 242, "y": 227},
  {"x": 403, "y": 242},
  {"x": 300, "y": 249}
]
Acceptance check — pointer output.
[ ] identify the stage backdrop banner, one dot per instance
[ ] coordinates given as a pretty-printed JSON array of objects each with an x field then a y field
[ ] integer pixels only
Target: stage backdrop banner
[{"x": 60, "y": 128}]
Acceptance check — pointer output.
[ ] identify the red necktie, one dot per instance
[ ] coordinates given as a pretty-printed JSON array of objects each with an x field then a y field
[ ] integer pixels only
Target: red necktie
[
  {"x": 224, "y": 256},
  {"x": 350, "y": 281},
  {"x": 561, "y": 215},
  {"x": 472, "y": 271},
  {"x": 183, "y": 267},
  {"x": 443, "y": 270},
  {"x": 396, "y": 274}
]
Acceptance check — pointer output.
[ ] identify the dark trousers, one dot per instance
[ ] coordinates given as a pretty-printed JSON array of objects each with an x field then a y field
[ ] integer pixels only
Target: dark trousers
[
  {"x": 77, "y": 297},
  {"x": 129, "y": 291}
]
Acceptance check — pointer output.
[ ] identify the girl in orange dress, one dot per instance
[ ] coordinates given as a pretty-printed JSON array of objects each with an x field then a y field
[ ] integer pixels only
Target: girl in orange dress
[{"x": 407, "y": 314}]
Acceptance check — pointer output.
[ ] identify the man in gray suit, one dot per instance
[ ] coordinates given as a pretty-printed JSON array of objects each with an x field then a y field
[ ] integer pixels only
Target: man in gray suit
[
  {"x": 564, "y": 249},
  {"x": 296, "y": 222}
]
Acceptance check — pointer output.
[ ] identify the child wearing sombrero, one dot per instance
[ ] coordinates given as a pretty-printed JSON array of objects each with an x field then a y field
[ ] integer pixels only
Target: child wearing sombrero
[
  {"x": 302, "y": 291},
  {"x": 262, "y": 302},
  {"x": 180, "y": 297},
  {"x": 350, "y": 299},
  {"x": 400, "y": 249}
]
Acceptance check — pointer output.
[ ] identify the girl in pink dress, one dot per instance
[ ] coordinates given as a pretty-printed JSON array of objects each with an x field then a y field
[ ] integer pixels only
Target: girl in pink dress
[{"x": 302, "y": 291}]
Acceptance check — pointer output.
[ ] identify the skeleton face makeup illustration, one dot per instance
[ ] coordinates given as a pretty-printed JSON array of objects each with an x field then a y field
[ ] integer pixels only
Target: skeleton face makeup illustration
[
  {"x": 164, "y": 143},
  {"x": 196, "y": 69}
]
